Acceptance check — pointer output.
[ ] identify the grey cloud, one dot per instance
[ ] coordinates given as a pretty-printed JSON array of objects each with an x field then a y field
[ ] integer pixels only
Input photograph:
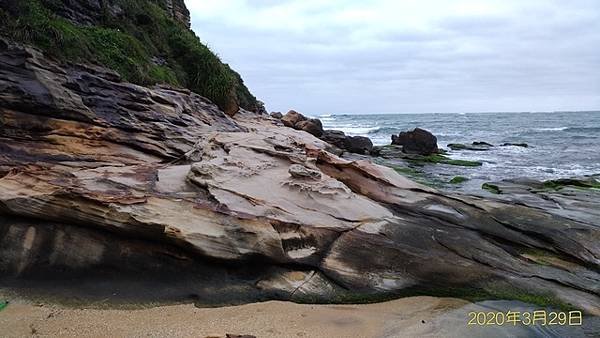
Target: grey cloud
[{"x": 543, "y": 56}]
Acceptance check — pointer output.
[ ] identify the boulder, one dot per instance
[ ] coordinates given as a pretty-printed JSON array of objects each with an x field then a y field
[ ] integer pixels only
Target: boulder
[
  {"x": 311, "y": 126},
  {"x": 417, "y": 141},
  {"x": 358, "y": 144},
  {"x": 276, "y": 115},
  {"x": 334, "y": 137},
  {"x": 292, "y": 118}
]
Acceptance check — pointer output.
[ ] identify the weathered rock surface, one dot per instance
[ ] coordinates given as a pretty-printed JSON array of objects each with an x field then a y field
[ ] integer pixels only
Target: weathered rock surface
[
  {"x": 417, "y": 141},
  {"x": 575, "y": 198},
  {"x": 89, "y": 12},
  {"x": 104, "y": 176}
]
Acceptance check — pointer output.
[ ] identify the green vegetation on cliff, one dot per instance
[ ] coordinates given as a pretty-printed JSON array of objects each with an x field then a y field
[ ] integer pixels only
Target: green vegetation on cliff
[{"x": 143, "y": 43}]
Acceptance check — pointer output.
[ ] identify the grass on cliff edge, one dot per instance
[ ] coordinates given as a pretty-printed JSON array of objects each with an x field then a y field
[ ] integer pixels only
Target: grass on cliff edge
[{"x": 144, "y": 45}]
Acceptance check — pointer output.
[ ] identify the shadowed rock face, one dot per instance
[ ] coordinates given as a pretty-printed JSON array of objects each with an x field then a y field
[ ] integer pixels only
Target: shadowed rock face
[{"x": 101, "y": 175}]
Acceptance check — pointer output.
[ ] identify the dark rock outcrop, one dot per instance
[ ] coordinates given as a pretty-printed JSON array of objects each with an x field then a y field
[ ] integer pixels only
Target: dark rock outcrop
[
  {"x": 358, "y": 144},
  {"x": 276, "y": 115},
  {"x": 335, "y": 137},
  {"x": 91, "y": 12},
  {"x": 85, "y": 12},
  {"x": 104, "y": 178},
  {"x": 482, "y": 143},
  {"x": 302, "y": 172},
  {"x": 510, "y": 144},
  {"x": 311, "y": 126},
  {"x": 178, "y": 11},
  {"x": 475, "y": 146},
  {"x": 417, "y": 141}
]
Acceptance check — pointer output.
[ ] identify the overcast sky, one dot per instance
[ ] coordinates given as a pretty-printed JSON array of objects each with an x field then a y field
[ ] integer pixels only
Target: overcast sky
[{"x": 361, "y": 56}]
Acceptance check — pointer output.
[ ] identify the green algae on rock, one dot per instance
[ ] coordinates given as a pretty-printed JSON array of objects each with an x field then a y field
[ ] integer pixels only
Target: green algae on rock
[
  {"x": 494, "y": 189},
  {"x": 458, "y": 180},
  {"x": 584, "y": 183},
  {"x": 442, "y": 159}
]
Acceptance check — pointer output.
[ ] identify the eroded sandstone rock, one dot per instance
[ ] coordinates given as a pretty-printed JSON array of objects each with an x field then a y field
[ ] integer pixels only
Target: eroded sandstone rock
[
  {"x": 292, "y": 118},
  {"x": 161, "y": 175},
  {"x": 302, "y": 172}
]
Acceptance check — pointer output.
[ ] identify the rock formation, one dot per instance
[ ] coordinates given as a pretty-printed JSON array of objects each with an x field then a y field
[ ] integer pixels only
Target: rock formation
[
  {"x": 276, "y": 115},
  {"x": 358, "y": 144},
  {"x": 417, "y": 141},
  {"x": 509, "y": 144},
  {"x": 475, "y": 146},
  {"x": 178, "y": 11},
  {"x": 98, "y": 175},
  {"x": 335, "y": 137}
]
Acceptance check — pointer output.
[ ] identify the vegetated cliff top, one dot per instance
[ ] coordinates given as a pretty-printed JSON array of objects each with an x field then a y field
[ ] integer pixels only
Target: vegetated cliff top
[{"x": 145, "y": 41}]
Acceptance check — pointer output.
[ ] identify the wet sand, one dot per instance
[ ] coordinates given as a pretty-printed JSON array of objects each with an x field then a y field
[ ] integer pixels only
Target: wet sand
[{"x": 411, "y": 316}]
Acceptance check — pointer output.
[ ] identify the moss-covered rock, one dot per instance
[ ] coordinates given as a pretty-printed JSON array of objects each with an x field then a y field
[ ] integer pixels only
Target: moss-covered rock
[
  {"x": 590, "y": 183},
  {"x": 475, "y": 146},
  {"x": 417, "y": 176},
  {"x": 458, "y": 180},
  {"x": 439, "y": 158},
  {"x": 494, "y": 189},
  {"x": 457, "y": 146}
]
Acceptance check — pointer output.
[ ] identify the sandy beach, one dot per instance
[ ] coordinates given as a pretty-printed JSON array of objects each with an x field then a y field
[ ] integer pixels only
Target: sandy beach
[{"x": 269, "y": 319}]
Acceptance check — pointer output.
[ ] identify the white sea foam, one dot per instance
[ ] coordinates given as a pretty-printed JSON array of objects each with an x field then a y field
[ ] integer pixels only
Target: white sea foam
[
  {"x": 552, "y": 129},
  {"x": 354, "y": 131}
]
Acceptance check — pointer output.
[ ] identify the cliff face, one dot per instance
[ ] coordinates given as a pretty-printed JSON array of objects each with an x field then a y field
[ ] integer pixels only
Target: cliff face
[
  {"x": 178, "y": 11},
  {"x": 155, "y": 186},
  {"x": 93, "y": 12},
  {"x": 145, "y": 41}
]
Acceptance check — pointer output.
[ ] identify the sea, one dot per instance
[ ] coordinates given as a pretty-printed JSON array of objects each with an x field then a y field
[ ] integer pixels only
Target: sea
[{"x": 561, "y": 144}]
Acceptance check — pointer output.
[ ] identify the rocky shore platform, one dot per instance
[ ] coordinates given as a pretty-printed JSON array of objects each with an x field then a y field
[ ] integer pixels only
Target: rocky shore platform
[{"x": 112, "y": 192}]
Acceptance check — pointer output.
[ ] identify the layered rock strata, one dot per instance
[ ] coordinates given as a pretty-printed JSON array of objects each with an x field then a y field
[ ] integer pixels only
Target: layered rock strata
[{"x": 101, "y": 175}]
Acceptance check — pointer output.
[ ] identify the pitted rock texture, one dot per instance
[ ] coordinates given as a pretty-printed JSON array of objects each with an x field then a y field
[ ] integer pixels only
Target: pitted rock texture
[{"x": 99, "y": 174}]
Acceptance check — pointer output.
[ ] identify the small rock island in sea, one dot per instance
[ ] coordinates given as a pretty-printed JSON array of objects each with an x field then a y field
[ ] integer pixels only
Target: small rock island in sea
[{"x": 124, "y": 178}]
